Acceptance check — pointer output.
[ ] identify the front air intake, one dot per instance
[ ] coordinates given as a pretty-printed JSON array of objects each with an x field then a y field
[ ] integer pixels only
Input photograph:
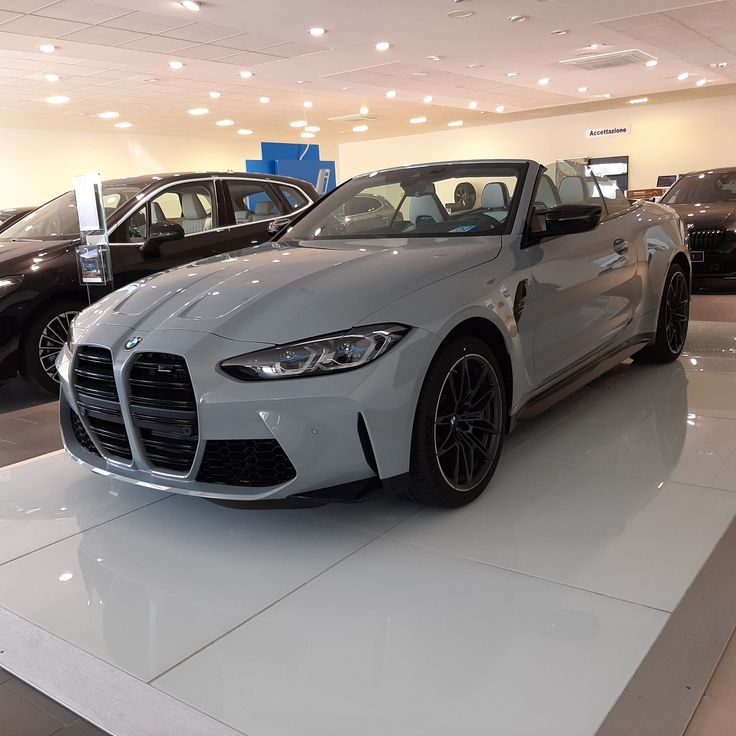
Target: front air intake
[{"x": 255, "y": 463}]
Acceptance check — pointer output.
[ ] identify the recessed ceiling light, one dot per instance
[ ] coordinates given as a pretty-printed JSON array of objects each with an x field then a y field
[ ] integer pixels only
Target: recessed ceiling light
[
  {"x": 454, "y": 123},
  {"x": 192, "y": 5},
  {"x": 51, "y": 77},
  {"x": 176, "y": 64},
  {"x": 364, "y": 110},
  {"x": 500, "y": 108},
  {"x": 638, "y": 100},
  {"x": 605, "y": 95},
  {"x": 473, "y": 105},
  {"x": 306, "y": 134},
  {"x": 150, "y": 79},
  {"x": 215, "y": 95},
  {"x": 473, "y": 66},
  {"x": 298, "y": 123},
  {"x": 720, "y": 65},
  {"x": 308, "y": 103},
  {"x": 391, "y": 94},
  {"x": 225, "y": 123},
  {"x": 652, "y": 62},
  {"x": 47, "y": 48},
  {"x": 418, "y": 74},
  {"x": 124, "y": 125},
  {"x": 109, "y": 115},
  {"x": 457, "y": 14},
  {"x": 383, "y": 46},
  {"x": 428, "y": 100},
  {"x": 418, "y": 121},
  {"x": 682, "y": 77},
  {"x": 582, "y": 89},
  {"x": 517, "y": 18},
  {"x": 544, "y": 81},
  {"x": 360, "y": 128},
  {"x": 198, "y": 111},
  {"x": 434, "y": 57},
  {"x": 559, "y": 32},
  {"x": 312, "y": 128},
  {"x": 511, "y": 74},
  {"x": 597, "y": 46},
  {"x": 317, "y": 31},
  {"x": 245, "y": 131},
  {"x": 264, "y": 100},
  {"x": 58, "y": 100},
  {"x": 246, "y": 74},
  {"x": 701, "y": 82}
]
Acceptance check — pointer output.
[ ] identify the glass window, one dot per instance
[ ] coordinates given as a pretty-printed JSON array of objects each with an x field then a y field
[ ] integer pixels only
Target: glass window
[
  {"x": 613, "y": 196},
  {"x": 418, "y": 201},
  {"x": 293, "y": 196},
  {"x": 706, "y": 188},
  {"x": 135, "y": 228},
  {"x": 58, "y": 220},
  {"x": 190, "y": 205},
  {"x": 252, "y": 201}
]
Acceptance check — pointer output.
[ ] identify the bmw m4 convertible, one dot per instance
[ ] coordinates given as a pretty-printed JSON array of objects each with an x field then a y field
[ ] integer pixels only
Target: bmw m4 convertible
[{"x": 388, "y": 340}]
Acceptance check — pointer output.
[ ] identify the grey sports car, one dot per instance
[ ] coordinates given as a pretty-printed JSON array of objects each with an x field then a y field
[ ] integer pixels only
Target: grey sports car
[{"x": 392, "y": 350}]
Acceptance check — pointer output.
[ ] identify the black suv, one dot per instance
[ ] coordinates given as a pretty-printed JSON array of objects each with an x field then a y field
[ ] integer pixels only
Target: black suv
[
  {"x": 154, "y": 223},
  {"x": 12, "y": 214}
]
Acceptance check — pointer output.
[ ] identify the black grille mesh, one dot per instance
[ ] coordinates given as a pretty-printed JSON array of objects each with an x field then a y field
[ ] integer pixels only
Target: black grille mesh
[
  {"x": 81, "y": 434},
  {"x": 256, "y": 463},
  {"x": 706, "y": 239}
]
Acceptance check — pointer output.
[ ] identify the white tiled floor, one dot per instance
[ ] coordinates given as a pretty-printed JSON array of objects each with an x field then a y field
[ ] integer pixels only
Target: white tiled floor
[{"x": 525, "y": 613}]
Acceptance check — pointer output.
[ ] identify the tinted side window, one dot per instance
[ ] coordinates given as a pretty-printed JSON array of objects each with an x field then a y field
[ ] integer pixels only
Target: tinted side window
[
  {"x": 293, "y": 196},
  {"x": 252, "y": 201}
]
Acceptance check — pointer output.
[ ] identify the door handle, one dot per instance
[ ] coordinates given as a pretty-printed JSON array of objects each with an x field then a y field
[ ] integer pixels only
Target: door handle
[{"x": 621, "y": 246}]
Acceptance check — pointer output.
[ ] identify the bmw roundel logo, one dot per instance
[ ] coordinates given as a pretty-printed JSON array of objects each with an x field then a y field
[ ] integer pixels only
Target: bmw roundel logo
[{"x": 133, "y": 342}]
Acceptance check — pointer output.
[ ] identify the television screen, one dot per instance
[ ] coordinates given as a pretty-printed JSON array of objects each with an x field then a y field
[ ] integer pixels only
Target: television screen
[{"x": 666, "y": 180}]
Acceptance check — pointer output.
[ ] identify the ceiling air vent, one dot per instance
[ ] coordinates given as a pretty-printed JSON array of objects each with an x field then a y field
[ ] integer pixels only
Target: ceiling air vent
[
  {"x": 354, "y": 118},
  {"x": 609, "y": 60}
]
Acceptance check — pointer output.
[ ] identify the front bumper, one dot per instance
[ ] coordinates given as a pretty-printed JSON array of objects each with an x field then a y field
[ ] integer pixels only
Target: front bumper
[{"x": 335, "y": 430}]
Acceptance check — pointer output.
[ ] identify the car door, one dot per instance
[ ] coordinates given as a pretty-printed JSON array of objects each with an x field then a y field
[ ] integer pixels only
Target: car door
[
  {"x": 583, "y": 284},
  {"x": 194, "y": 205}
]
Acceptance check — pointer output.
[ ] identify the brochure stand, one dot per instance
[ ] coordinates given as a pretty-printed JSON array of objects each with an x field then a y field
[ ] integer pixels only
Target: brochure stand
[{"x": 93, "y": 253}]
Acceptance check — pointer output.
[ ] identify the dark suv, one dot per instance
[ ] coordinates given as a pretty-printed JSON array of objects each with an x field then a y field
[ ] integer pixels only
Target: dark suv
[
  {"x": 706, "y": 202},
  {"x": 154, "y": 223}
]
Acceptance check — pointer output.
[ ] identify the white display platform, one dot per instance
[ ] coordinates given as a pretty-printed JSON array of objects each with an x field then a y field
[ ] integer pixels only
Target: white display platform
[{"x": 526, "y": 612}]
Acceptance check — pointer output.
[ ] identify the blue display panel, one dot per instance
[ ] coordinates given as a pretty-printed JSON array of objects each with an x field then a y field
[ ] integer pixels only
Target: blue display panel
[{"x": 301, "y": 161}]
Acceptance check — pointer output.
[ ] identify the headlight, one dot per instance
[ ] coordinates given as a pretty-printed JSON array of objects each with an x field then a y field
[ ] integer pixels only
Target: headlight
[
  {"x": 319, "y": 356},
  {"x": 72, "y": 337},
  {"x": 9, "y": 283}
]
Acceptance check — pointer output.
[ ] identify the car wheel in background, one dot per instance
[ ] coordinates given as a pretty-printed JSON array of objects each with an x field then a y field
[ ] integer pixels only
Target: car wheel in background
[
  {"x": 458, "y": 426},
  {"x": 674, "y": 315},
  {"x": 44, "y": 340}
]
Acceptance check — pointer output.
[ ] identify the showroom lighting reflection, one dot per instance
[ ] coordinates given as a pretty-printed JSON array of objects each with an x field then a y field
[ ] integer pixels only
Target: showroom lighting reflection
[
  {"x": 226, "y": 123},
  {"x": 701, "y": 82},
  {"x": 428, "y": 100},
  {"x": 360, "y": 128},
  {"x": 109, "y": 115},
  {"x": 317, "y": 31},
  {"x": 176, "y": 65},
  {"x": 51, "y": 77},
  {"x": 65, "y": 577},
  {"x": 383, "y": 46},
  {"x": 582, "y": 89},
  {"x": 517, "y": 18},
  {"x": 308, "y": 103},
  {"x": 652, "y": 62},
  {"x": 597, "y": 46},
  {"x": 198, "y": 111},
  {"x": 391, "y": 94},
  {"x": 511, "y": 74},
  {"x": 418, "y": 121},
  {"x": 312, "y": 128},
  {"x": 308, "y": 135},
  {"x": 638, "y": 100},
  {"x": 47, "y": 48},
  {"x": 191, "y": 5},
  {"x": 500, "y": 108},
  {"x": 298, "y": 123},
  {"x": 245, "y": 131},
  {"x": 58, "y": 100},
  {"x": 544, "y": 81}
]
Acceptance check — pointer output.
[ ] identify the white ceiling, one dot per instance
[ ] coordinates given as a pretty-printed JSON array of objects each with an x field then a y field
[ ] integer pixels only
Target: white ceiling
[{"x": 114, "y": 56}]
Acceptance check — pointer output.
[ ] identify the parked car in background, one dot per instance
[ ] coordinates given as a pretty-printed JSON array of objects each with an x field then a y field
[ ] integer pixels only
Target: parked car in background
[
  {"x": 12, "y": 214},
  {"x": 706, "y": 202},
  {"x": 389, "y": 350},
  {"x": 154, "y": 223}
]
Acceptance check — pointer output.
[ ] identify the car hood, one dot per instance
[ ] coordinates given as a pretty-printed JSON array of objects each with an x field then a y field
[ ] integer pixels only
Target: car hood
[
  {"x": 15, "y": 255},
  {"x": 707, "y": 216},
  {"x": 277, "y": 293}
]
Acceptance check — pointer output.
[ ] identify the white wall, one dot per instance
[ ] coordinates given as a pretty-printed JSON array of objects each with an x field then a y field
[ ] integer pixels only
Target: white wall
[
  {"x": 666, "y": 138},
  {"x": 36, "y": 165}
]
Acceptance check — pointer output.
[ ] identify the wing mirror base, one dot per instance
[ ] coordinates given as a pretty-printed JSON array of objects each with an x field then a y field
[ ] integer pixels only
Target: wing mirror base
[
  {"x": 160, "y": 233},
  {"x": 566, "y": 219}
]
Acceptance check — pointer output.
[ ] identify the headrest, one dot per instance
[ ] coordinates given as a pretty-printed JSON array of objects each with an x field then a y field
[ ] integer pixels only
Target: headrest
[
  {"x": 264, "y": 207},
  {"x": 191, "y": 207},
  {"x": 495, "y": 196},
  {"x": 419, "y": 188},
  {"x": 158, "y": 213},
  {"x": 573, "y": 190}
]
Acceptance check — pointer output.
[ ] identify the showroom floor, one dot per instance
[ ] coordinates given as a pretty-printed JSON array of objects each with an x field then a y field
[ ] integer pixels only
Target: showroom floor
[{"x": 384, "y": 618}]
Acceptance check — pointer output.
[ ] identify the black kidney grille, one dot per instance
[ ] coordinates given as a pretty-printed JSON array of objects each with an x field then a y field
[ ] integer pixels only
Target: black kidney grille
[
  {"x": 706, "y": 239},
  {"x": 93, "y": 382},
  {"x": 255, "y": 463},
  {"x": 81, "y": 434},
  {"x": 164, "y": 410}
]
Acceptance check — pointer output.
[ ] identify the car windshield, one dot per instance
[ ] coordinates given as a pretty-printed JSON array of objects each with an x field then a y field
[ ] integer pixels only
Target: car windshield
[
  {"x": 57, "y": 219},
  {"x": 714, "y": 186},
  {"x": 437, "y": 200}
]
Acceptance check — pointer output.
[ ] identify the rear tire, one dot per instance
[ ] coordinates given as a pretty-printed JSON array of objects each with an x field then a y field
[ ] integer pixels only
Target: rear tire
[
  {"x": 672, "y": 323},
  {"x": 44, "y": 339},
  {"x": 458, "y": 425}
]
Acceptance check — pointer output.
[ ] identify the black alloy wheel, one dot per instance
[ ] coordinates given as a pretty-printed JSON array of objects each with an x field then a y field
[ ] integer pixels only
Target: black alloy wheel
[{"x": 459, "y": 425}]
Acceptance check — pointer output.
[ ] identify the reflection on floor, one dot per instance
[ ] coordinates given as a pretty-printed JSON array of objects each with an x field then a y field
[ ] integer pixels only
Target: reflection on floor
[{"x": 385, "y": 618}]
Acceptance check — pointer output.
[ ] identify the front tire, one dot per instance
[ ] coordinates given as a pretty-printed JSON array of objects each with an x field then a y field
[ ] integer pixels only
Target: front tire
[
  {"x": 44, "y": 340},
  {"x": 672, "y": 323},
  {"x": 458, "y": 426}
]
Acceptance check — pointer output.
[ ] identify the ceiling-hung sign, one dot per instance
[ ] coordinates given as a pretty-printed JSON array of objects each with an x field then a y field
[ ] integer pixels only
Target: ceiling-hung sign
[{"x": 608, "y": 130}]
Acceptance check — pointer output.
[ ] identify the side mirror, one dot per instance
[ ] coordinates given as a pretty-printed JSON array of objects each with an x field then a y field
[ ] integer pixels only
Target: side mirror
[
  {"x": 566, "y": 219},
  {"x": 160, "y": 233},
  {"x": 278, "y": 225}
]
